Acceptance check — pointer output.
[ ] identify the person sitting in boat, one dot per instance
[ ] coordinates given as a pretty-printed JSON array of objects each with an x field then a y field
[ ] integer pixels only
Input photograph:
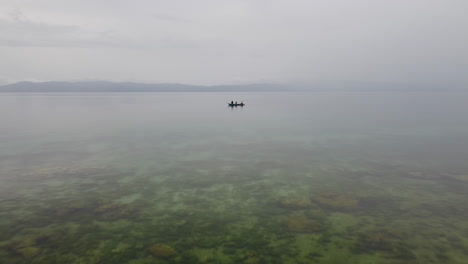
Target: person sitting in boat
[
  {"x": 232, "y": 102},
  {"x": 236, "y": 102}
]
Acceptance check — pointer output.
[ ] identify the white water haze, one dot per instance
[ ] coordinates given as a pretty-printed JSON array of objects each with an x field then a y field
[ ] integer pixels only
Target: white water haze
[{"x": 213, "y": 42}]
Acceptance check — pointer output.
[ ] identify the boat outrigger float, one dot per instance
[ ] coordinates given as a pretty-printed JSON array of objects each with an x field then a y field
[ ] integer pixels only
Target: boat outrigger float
[{"x": 234, "y": 104}]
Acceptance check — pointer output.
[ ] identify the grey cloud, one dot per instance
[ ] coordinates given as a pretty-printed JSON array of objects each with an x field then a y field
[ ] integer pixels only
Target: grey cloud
[
  {"x": 20, "y": 31},
  {"x": 27, "y": 33},
  {"x": 24, "y": 33},
  {"x": 169, "y": 18},
  {"x": 229, "y": 41}
]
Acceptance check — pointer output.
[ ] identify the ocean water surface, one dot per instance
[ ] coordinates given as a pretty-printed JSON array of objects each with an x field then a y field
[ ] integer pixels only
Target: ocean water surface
[{"x": 319, "y": 177}]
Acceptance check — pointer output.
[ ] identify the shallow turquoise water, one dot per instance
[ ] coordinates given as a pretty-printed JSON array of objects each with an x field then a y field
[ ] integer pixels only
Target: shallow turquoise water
[{"x": 182, "y": 178}]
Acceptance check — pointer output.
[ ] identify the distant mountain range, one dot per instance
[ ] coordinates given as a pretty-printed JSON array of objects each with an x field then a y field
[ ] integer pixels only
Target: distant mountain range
[{"x": 104, "y": 86}]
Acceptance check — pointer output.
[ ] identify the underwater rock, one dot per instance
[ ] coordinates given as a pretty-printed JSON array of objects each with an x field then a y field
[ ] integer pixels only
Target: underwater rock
[
  {"x": 202, "y": 226},
  {"x": 338, "y": 201},
  {"x": 315, "y": 214},
  {"x": 457, "y": 177},
  {"x": 302, "y": 224},
  {"x": 247, "y": 257},
  {"x": 28, "y": 252},
  {"x": 198, "y": 182},
  {"x": 47, "y": 238},
  {"x": 385, "y": 241},
  {"x": 423, "y": 176},
  {"x": 70, "y": 209},
  {"x": 295, "y": 203},
  {"x": 376, "y": 241},
  {"x": 115, "y": 211},
  {"x": 30, "y": 246},
  {"x": 70, "y": 172},
  {"x": 161, "y": 251},
  {"x": 180, "y": 223},
  {"x": 28, "y": 242},
  {"x": 251, "y": 258}
]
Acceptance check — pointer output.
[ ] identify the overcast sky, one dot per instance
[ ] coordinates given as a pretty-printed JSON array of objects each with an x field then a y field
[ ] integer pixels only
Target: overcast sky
[{"x": 234, "y": 41}]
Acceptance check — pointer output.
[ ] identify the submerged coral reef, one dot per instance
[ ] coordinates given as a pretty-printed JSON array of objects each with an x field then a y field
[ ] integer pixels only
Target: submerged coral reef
[{"x": 157, "y": 217}]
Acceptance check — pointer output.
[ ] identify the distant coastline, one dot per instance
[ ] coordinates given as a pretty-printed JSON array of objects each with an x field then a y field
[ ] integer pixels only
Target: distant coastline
[{"x": 123, "y": 87}]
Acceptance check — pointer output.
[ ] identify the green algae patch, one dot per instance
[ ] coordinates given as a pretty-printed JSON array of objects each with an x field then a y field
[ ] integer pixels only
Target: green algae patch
[{"x": 29, "y": 252}]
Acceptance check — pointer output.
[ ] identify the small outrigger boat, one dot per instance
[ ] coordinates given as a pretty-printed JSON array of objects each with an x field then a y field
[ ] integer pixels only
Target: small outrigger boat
[{"x": 232, "y": 105}]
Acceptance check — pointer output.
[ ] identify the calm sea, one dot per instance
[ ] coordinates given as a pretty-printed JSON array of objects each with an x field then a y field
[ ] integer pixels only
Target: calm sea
[{"x": 319, "y": 177}]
